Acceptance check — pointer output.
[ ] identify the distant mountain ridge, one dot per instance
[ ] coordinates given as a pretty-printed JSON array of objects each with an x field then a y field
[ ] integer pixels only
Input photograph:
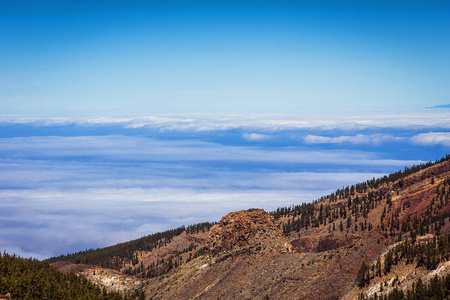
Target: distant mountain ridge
[
  {"x": 381, "y": 237},
  {"x": 441, "y": 106}
]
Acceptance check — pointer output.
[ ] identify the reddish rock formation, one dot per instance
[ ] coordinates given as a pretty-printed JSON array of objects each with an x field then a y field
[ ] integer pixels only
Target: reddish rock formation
[{"x": 248, "y": 230}]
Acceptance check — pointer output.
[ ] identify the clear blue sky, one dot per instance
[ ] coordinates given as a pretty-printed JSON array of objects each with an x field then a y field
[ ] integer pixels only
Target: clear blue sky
[{"x": 60, "y": 58}]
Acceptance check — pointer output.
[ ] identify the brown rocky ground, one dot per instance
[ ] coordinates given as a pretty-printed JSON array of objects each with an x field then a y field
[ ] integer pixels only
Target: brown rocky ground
[
  {"x": 250, "y": 260},
  {"x": 175, "y": 248}
]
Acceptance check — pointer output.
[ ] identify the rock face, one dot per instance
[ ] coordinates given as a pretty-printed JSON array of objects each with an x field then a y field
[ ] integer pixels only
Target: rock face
[
  {"x": 112, "y": 280},
  {"x": 251, "y": 230}
]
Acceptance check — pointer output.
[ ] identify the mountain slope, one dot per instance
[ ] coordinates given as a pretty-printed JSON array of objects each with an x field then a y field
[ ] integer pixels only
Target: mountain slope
[{"x": 330, "y": 249}]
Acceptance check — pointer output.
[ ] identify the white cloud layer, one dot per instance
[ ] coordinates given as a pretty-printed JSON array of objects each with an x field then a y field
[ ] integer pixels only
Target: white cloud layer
[
  {"x": 62, "y": 191},
  {"x": 344, "y": 120},
  {"x": 432, "y": 138},
  {"x": 256, "y": 137},
  {"x": 45, "y": 222},
  {"x": 57, "y": 191},
  {"x": 359, "y": 139},
  {"x": 141, "y": 149}
]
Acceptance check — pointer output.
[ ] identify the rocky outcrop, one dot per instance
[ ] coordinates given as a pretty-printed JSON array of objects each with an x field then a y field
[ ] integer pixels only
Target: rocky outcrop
[
  {"x": 114, "y": 281},
  {"x": 247, "y": 231}
]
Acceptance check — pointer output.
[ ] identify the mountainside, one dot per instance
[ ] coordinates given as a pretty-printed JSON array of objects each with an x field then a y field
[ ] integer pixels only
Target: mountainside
[{"x": 386, "y": 235}]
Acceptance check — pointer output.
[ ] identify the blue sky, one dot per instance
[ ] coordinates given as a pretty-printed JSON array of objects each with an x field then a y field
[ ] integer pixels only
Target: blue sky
[
  {"x": 99, "y": 58},
  {"x": 119, "y": 119}
]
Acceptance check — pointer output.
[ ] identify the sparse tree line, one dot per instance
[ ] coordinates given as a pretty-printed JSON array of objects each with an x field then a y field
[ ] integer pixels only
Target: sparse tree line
[
  {"x": 114, "y": 257},
  {"x": 338, "y": 216},
  {"x": 437, "y": 289},
  {"x": 163, "y": 266},
  {"x": 364, "y": 197},
  {"x": 117, "y": 256},
  {"x": 431, "y": 221},
  {"x": 425, "y": 253},
  {"x": 360, "y": 201},
  {"x": 347, "y": 192},
  {"x": 196, "y": 228}
]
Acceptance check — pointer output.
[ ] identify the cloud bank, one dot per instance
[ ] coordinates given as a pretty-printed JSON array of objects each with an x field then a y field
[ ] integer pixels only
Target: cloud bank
[
  {"x": 343, "y": 120},
  {"x": 68, "y": 185},
  {"x": 432, "y": 138},
  {"x": 256, "y": 137},
  {"x": 375, "y": 139}
]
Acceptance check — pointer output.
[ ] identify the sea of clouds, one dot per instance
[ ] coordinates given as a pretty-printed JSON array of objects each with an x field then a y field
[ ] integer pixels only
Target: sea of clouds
[{"x": 68, "y": 184}]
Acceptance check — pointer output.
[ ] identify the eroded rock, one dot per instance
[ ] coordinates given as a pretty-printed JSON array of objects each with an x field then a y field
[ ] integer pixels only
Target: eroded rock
[{"x": 247, "y": 231}]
